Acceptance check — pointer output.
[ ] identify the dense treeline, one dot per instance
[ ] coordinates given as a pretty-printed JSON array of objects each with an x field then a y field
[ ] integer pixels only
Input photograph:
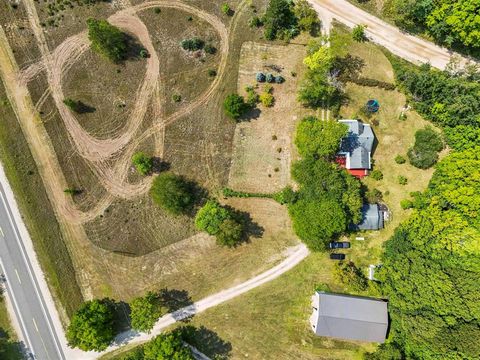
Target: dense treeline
[
  {"x": 328, "y": 198},
  {"x": 431, "y": 264},
  {"x": 454, "y": 23}
]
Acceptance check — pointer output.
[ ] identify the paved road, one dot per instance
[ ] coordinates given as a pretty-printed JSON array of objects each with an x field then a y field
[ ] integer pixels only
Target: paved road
[
  {"x": 409, "y": 47},
  {"x": 23, "y": 290}
]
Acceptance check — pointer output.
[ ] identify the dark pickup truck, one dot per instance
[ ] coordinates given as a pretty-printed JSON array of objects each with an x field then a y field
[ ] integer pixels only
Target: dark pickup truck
[
  {"x": 337, "y": 256},
  {"x": 339, "y": 245}
]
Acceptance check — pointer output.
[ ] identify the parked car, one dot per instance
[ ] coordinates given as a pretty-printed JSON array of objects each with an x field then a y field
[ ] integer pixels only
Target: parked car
[
  {"x": 339, "y": 245},
  {"x": 337, "y": 256}
]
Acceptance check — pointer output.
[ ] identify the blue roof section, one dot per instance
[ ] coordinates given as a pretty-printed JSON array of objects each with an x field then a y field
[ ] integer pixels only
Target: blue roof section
[{"x": 358, "y": 144}]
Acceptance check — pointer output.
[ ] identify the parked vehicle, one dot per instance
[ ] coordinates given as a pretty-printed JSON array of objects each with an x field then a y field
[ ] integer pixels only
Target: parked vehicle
[
  {"x": 337, "y": 256},
  {"x": 339, "y": 245}
]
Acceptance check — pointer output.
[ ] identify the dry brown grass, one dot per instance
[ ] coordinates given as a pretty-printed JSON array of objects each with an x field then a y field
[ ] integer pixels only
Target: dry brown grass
[{"x": 263, "y": 144}]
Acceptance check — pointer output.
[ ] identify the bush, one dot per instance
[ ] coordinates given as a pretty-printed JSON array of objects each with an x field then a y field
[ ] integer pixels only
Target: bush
[
  {"x": 167, "y": 346},
  {"x": 285, "y": 196},
  {"x": 372, "y": 83},
  {"x": 212, "y": 72},
  {"x": 92, "y": 326},
  {"x": 192, "y": 44},
  {"x": 402, "y": 180},
  {"x": 143, "y": 163},
  {"x": 234, "y": 106},
  {"x": 143, "y": 53},
  {"x": 424, "y": 152},
  {"x": 374, "y": 196},
  {"x": 255, "y": 21},
  {"x": 72, "y": 105},
  {"x": 107, "y": 39},
  {"x": 210, "y": 49},
  {"x": 252, "y": 97},
  {"x": 173, "y": 193},
  {"x": 350, "y": 275},
  {"x": 176, "y": 98},
  {"x": 157, "y": 10},
  {"x": 226, "y": 9},
  {"x": 406, "y": 204},
  {"x": 376, "y": 175},
  {"x": 358, "y": 33},
  {"x": 399, "y": 159},
  {"x": 267, "y": 99}
]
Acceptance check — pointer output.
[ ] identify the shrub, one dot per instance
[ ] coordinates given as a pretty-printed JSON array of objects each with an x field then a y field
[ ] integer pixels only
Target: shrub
[
  {"x": 399, "y": 159},
  {"x": 157, "y": 10},
  {"x": 269, "y": 78},
  {"x": 143, "y": 53},
  {"x": 73, "y": 105},
  {"x": 142, "y": 162},
  {"x": 212, "y": 72},
  {"x": 376, "y": 175},
  {"x": 210, "y": 49},
  {"x": 358, "y": 33},
  {"x": 267, "y": 99},
  {"x": 177, "y": 97},
  {"x": 107, "y": 39},
  {"x": 424, "y": 152},
  {"x": 92, "y": 326},
  {"x": 406, "y": 204},
  {"x": 285, "y": 196},
  {"x": 192, "y": 44},
  {"x": 173, "y": 193},
  {"x": 402, "y": 180},
  {"x": 374, "y": 196},
  {"x": 226, "y": 9},
  {"x": 255, "y": 21},
  {"x": 234, "y": 106},
  {"x": 350, "y": 275},
  {"x": 167, "y": 346},
  {"x": 252, "y": 97}
]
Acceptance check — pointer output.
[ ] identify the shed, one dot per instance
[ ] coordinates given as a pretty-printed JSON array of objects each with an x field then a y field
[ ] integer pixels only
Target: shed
[
  {"x": 349, "y": 317},
  {"x": 372, "y": 218}
]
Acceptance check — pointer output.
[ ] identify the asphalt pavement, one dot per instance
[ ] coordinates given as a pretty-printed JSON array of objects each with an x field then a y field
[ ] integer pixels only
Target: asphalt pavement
[{"x": 22, "y": 288}]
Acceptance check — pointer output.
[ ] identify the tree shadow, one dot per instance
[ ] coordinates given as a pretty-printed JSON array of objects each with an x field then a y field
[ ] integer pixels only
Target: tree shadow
[
  {"x": 206, "y": 341},
  {"x": 251, "y": 114},
  {"x": 82, "y": 108},
  {"x": 349, "y": 67},
  {"x": 158, "y": 165},
  {"x": 174, "y": 299},
  {"x": 121, "y": 316},
  {"x": 250, "y": 227},
  {"x": 134, "y": 48}
]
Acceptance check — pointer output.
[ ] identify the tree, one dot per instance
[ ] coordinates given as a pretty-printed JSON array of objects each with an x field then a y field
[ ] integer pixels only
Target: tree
[
  {"x": 358, "y": 33},
  {"x": 145, "y": 311},
  {"x": 143, "y": 163},
  {"x": 173, "y": 193},
  {"x": 226, "y": 9},
  {"x": 319, "y": 138},
  {"x": 107, "y": 39},
  {"x": 211, "y": 216},
  {"x": 92, "y": 326},
  {"x": 234, "y": 106},
  {"x": 167, "y": 346},
  {"x": 279, "y": 20},
  {"x": 456, "y": 22},
  {"x": 424, "y": 153},
  {"x": 320, "y": 60},
  {"x": 192, "y": 44},
  {"x": 462, "y": 137},
  {"x": 230, "y": 233},
  {"x": 306, "y": 16}
]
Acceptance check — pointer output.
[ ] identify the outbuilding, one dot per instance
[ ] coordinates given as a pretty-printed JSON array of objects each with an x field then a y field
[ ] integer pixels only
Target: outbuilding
[
  {"x": 372, "y": 218},
  {"x": 349, "y": 317}
]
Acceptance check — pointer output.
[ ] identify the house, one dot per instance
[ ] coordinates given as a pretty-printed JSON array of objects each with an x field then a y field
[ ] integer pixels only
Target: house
[
  {"x": 372, "y": 218},
  {"x": 349, "y": 317},
  {"x": 356, "y": 148}
]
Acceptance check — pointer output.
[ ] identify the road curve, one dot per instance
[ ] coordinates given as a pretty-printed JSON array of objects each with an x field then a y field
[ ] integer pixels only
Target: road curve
[{"x": 406, "y": 46}]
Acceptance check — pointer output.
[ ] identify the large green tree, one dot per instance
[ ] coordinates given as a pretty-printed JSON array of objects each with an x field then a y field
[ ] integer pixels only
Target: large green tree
[
  {"x": 319, "y": 138},
  {"x": 107, "y": 39},
  {"x": 92, "y": 326},
  {"x": 173, "y": 193},
  {"x": 279, "y": 19},
  {"x": 167, "y": 346},
  {"x": 145, "y": 311}
]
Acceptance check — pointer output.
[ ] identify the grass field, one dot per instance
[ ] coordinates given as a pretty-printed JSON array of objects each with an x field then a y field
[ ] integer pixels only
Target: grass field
[{"x": 42, "y": 225}]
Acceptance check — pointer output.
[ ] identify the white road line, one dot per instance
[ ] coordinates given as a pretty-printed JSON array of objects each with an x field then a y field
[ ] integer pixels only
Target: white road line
[
  {"x": 35, "y": 285},
  {"x": 18, "y": 276},
  {"x": 35, "y": 324},
  {"x": 18, "y": 313},
  {"x": 1, "y": 232}
]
